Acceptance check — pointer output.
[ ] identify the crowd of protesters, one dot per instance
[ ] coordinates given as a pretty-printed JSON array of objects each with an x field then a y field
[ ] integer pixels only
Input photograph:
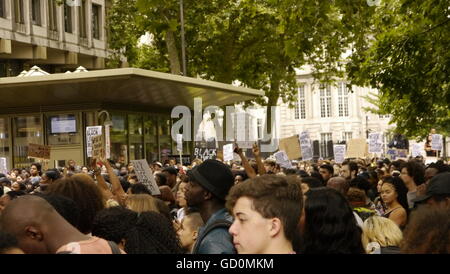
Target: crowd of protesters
[{"x": 362, "y": 206}]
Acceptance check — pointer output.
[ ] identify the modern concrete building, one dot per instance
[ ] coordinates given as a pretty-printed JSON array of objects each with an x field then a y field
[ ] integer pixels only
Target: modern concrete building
[{"x": 55, "y": 35}]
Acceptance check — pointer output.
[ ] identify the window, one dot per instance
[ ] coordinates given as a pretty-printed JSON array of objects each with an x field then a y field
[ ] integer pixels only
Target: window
[
  {"x": 301, "y": 101},
  {"x": 96, "y": 11},
  {"x": 52, "y": 20},
  {"x": 67, "y": 18},
  {"x": 18, "y": 11},
  {"x": 27, "y": 130},
  {"x": 82, "y": 19},
  {"x": 36, "y": 12},
  {"x": 296, "y": 110},
  {"x": 135, "y": 129},
  {"x": 384, "y": 116},
  {"x": 343, "y": 99},
  {"x": 2, "y": 8},
  {"x": 347, "y": 136},
  {"x": 325, "y": 101},
  {"x": 324, "y": 138}
]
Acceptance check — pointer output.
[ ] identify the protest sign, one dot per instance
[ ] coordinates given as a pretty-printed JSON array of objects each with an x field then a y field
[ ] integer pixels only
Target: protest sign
[
  {"x": 3, "y": 165},
  {"x": 357, "y": 148},
  {"x": 145, "y": 176},
  {"x": 91, "y": 131},
  {"x": 107, "y": 142},
  {"x": 180, "y": 142},
  {"x": 38, "y": 151},
  {"x": 291, "y": 146},
  {"x": 98, "y": 150},
  {"x": 205, "y": 153},
  {"x": 416, "y": 150},
  {"x": 339, "y": 153},
  {"x": 305, "y": 145},
  {"x": 375, "y": 142},
  {"x": 436, "y": 142},
  {"x": 282, "y": 159},
  {"x": 228, "y": 152}
]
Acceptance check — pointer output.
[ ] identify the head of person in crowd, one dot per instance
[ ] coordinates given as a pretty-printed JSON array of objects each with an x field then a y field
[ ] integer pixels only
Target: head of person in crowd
[
  {"x": 339, "y": 184},
  {"x": 180, "y": 195},
  {"x": 130, "y": 168},
  {"x": 270, "y": 166},
  {"x": 290, "y": 171},
  {"x": 188, "y": 230},
  {"x": 82, "y": 189},
  {"x": 114, "y": 223},
  {"x": 138, "y": 188},
  {"x": 156, "y": 166},
  {"x": 9, "y": 244},
  {"x": 413, "y": 174},
  {"x": 132, "y": 179},
  {"x": 393, "y": 193},
  {"x": 209, "y": 184},
  {"x": 123, "y": 171},
  {"x": 381, "y": 236},
  {"x": 66, "y": 207},
  {"x": 161, "y": 179},
  {"x": 141, "y": 203},
  {"x": 6, "y": 198},
  {"x": 308, "y": 183},
  {"x": 171, "y": 175},
  {"x": 428, "y": 231},
  {"x": 5, "y": 182},
  {"x": 395, "y": 168},
  {"x": 35, "y": 169},
  {"x": 152, "y": 234},
  {"x": 36, "y": 225},
  {"x": 18, "y": 187},
  {"x": 167, "y": 196},
  {"x": 327, "y": 171},
  {"x": 349, "y": 170},
  {"x": 48, "y": 178},
  {"x": 240, "y": 177},
  {"x": 328, "y": 225},
  {"x": 434, "y": 168},
  {"x": 318, "y": 176},
  {"x": 16, "y": 171},
  {"x": 361, "y": 183},
  {"x": 85, "y": 169},
  {"x": 302, "y": 174},
  {"x": 266, "y": 212},
  {"x": 438, "y": 191}
]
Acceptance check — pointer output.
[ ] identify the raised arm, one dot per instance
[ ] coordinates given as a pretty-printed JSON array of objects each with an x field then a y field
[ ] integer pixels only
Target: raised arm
[
  {"x": 117, "y": 189},
  {"x": 256, "y": 152},
  {"x": 248, "y": 168}
]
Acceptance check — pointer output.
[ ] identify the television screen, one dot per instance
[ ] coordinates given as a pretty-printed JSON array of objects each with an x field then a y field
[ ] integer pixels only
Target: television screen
[{"x": 63, "y": 124}]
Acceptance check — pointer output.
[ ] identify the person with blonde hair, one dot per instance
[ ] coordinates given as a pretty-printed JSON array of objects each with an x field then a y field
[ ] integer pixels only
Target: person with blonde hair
[
  {"x": 141, "y": 203},
  {"x": 381, "y": 236}
]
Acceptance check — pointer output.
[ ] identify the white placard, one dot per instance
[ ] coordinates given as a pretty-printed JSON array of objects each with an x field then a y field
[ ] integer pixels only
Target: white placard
[
  {"x": 375, "y": 142},
  {"x": 228, "y": 152},
  {"x": 3, "y": 165},
  {"x": 107, "y": 143},
  {"x": 282, "y": 159},
  {"x": 339, "y": 153},
  {"x": 436, "y": 142},
  {"x": 416, "y": 150},
  {"x": 180, "y": 142},
  {"x": 145, "y": 175},
  {"x": 241, "y": 127},
  {"x": 91, "y": 131},
  {"x": 305, "y": 146}
]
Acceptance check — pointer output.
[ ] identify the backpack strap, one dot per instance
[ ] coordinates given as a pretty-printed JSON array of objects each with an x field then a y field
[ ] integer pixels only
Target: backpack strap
[
  {"x": 217, "y": 224},
  {"x": 114, "y": 248}
]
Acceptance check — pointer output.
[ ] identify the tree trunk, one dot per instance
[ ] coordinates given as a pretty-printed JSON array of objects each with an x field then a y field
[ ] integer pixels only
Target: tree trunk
[
  {"x": 272, "y": 96},
  {"x": 174, "y": 58}
]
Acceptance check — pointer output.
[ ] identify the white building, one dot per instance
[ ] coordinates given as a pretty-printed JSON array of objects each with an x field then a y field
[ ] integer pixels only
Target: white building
[{"x": 56, "y": 37}]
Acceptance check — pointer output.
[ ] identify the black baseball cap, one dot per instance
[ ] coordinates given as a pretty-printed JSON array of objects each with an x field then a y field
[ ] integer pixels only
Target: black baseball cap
[{"x": 438, "y": 185}]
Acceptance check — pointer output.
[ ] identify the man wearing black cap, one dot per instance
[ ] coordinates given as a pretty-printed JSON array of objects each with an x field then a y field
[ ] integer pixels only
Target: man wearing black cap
[
  {"x": 438, "y": 191},
  {"x": 209, "y": 184}
]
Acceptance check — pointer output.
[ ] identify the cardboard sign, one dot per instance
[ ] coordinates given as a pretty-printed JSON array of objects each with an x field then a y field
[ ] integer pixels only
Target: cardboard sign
[
  {"x": 180, "y": 142},
  {"x": 339, "y": 153},
  {"x": 205, "y": 153},
  {"x": 375, "y": 142},
  {"x": 3, "y": 165},
  {"x": 291, "y": 146},
  {"x": 436, "y": 142},
  {"x": 305, "y": 145},
  {"x": 145, "y": 176},
  {"x": 38, "y": 151},
  {"x": 282, "y": 159},
  {"x": 91, "y": 131},
  {"x": 357, "y": 148},
  {"x": 98, "y": 150},
  {"x": 228, "y": 152}
]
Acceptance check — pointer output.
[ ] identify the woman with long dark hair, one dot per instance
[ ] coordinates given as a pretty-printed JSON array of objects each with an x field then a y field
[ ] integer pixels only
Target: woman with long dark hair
[
  {"x": 328, "y": 225},
  {"x": 393, "y": 194}
]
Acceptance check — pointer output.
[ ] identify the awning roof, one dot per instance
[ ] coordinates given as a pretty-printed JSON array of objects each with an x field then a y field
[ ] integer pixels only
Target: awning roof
[{"x": 125, "y": 86}]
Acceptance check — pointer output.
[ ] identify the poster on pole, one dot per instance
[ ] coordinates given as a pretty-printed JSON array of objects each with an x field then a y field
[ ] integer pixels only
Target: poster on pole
[
  {"x": 375, "y": 142},
  {"x": 107, "y": 142},
  {"x": 145, "y": 176},
  {"x": 305, "y": 145},
  {"x": 228, "y": 152},
  {"x": 282, "y": 159},
  {"x": 205, "y": 153},
  {"x": 291, "y": 146},
  {"x": 180, "y": 142},
  {"x": 436, "y": 142},
  {"x": 339, "y": 153},
  {"x": 357, "y": 148},
  {"x": 416, "y": 150},
  {"x": 98, "y": 149},
  {"x": 3, "y": 165},
  {"x": 91, "y": 131},
  {"x": 39, "y": 151}
]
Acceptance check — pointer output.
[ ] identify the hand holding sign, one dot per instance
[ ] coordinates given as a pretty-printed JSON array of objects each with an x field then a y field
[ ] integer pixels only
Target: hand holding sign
[{"x": 255, "y": 150}]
